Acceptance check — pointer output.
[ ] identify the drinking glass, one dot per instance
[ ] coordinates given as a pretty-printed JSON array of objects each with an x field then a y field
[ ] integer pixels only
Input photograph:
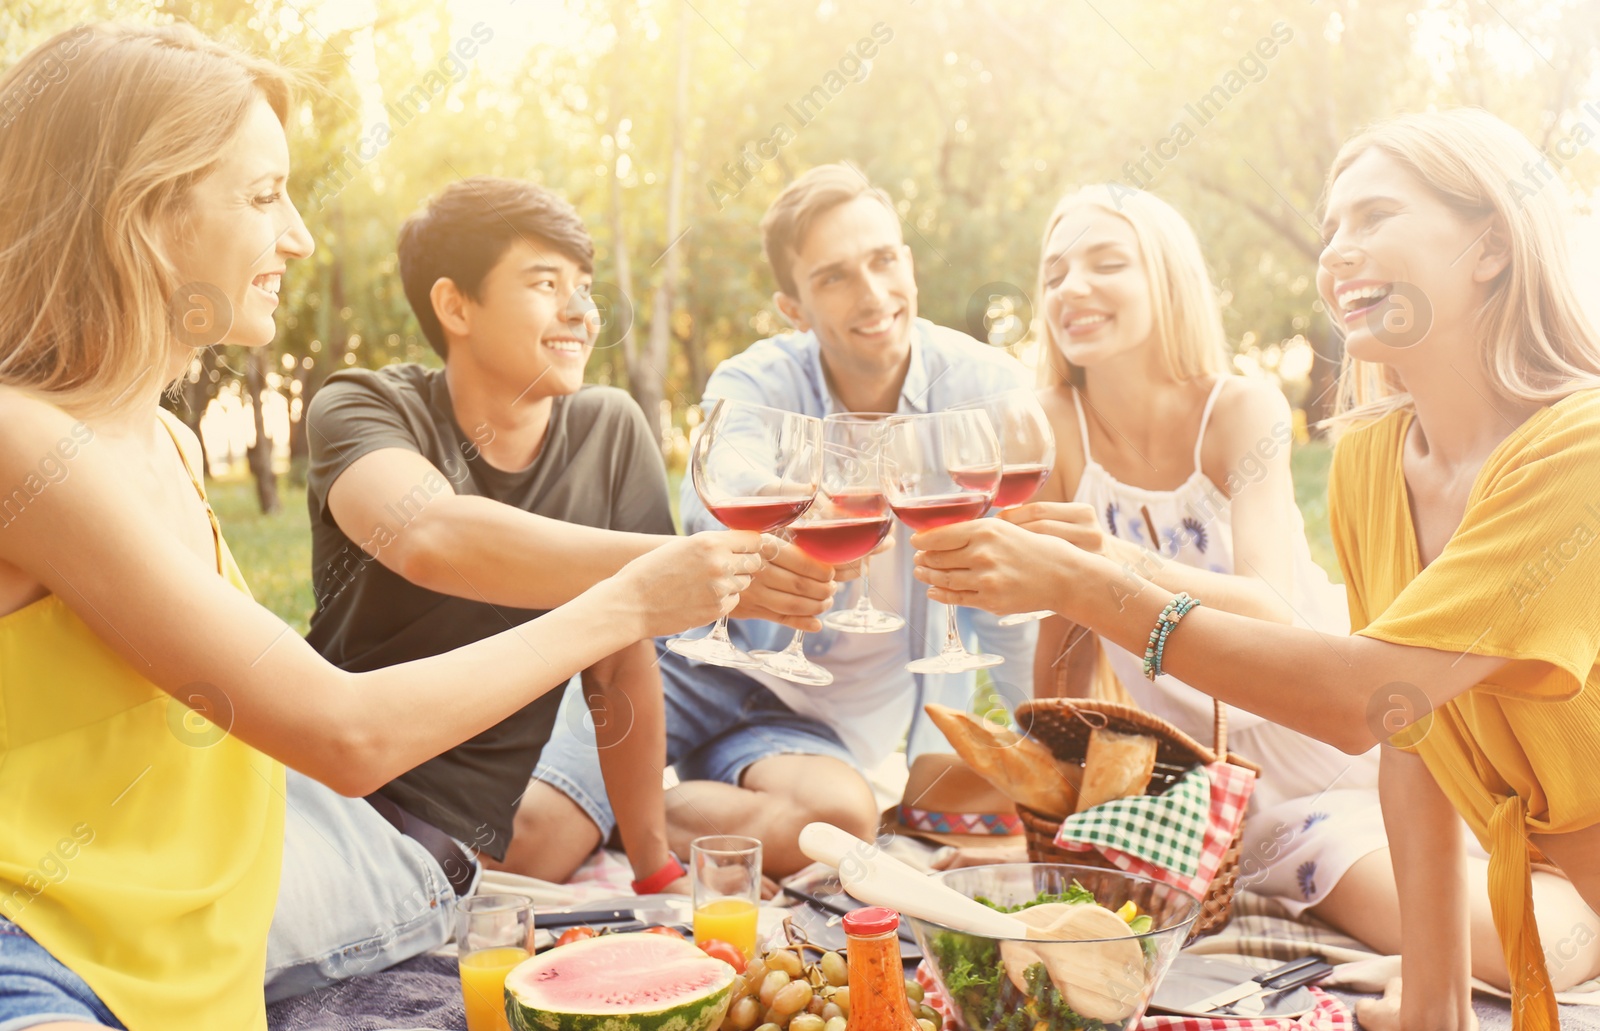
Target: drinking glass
[
  {"x": 494, "y": 933},
  {"x": 938, "y": 469},
  {"x": 755, "y": 468},
  {"x": 1027, "y": 454},
  {"x": 725, "y": 878},
  {"x": 840, "y": 527},
  {"x": 859, "y": 493}
]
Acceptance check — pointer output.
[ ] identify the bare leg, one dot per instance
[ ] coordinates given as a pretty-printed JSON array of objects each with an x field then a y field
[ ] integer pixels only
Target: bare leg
[
  {"x": 551, "y": 836},
  {"x": 776, "y": 797},
  {"x": 1365, "y": 905}
]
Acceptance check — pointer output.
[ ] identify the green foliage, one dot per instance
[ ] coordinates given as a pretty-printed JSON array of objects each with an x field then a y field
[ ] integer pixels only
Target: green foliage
[
  {"x": 974, "y": 115},
  {"x": 273, "y": 551}
]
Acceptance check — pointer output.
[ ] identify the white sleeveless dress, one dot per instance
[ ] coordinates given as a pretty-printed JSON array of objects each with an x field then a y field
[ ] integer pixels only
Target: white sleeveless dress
[{"x": 1315, "y": 810}]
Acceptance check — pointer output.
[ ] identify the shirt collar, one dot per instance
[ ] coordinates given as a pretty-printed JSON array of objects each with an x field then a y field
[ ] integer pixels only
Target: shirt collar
[{"x": 913, "y": 392}]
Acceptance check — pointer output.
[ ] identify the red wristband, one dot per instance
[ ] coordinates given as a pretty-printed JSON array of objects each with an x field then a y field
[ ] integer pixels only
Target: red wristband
[{"x": 671, "y": 871}]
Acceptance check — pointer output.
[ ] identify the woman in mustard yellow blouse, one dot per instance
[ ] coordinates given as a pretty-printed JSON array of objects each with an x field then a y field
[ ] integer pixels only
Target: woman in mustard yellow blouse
[
  {"x": 1465, "y": 503},
  {"x": 147, "y": 705}
]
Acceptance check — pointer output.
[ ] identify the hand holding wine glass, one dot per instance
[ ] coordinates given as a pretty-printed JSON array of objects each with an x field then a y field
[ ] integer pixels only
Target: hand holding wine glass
[
  {"x": 754, "y": 468},
  {"x": 1027, "y": 452},
  {"x": 936, "y": 470}
]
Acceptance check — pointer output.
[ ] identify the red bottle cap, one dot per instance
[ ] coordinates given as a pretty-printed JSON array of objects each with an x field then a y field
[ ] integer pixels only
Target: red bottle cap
[{"x": 871, "y": 921}]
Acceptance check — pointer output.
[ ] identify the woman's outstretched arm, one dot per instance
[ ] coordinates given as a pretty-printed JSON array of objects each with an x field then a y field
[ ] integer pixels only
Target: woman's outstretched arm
[
  {"x": 103, "y": 550},
  {"x": 1348, "y": 691}
]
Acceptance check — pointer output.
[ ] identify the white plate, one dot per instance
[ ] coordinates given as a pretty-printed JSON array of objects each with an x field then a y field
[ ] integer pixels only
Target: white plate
[{"x": 1194, "y": 978}]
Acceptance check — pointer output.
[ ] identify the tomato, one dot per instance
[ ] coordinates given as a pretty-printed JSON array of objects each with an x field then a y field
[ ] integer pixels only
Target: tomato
[
  {"x": 716, "y": 948},
  {"x": 669, "y": 932},
  {"x": 573, "y": 934}
]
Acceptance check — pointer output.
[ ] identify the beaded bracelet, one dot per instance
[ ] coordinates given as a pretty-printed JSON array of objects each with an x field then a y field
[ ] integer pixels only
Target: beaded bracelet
[{"x": 1175, "y": 610}]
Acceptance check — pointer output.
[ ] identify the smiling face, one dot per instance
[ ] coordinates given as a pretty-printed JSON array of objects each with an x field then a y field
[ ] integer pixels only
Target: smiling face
[
  {"x": 857, "y": 290},
  {"x": 236, "y": 234},
  {"x": 1096, "y": 293},
  {"x": 533, "y": 325},
  {"x": 1401, "y": 269}
]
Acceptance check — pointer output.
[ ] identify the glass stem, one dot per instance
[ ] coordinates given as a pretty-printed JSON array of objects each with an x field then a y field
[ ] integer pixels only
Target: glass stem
[
  {"x": 719, "y": 633},
  {"x": 864, "y": 603},
  {"x": 952, "y": 639},
  {"x": 794, "y": 645}
]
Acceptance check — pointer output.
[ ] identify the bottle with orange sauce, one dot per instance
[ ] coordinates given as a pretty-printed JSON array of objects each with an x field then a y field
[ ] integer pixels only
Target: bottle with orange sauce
[{"x": 877, "y": 976}]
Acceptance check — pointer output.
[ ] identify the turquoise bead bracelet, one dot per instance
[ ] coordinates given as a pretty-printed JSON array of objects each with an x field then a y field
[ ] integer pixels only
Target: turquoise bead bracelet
[{"x": 1175, "y": 610}]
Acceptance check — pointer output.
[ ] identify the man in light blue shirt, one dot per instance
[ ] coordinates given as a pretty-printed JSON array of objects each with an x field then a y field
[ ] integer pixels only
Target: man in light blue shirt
[{"x": 761, "y": 756}]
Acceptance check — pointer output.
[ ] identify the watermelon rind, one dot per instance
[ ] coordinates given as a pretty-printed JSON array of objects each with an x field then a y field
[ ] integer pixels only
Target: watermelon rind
[{"x": 540, "y": 991}]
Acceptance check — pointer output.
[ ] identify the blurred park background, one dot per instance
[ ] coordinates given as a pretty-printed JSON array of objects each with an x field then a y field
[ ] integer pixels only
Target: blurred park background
[{"x": 671, "y": 124}]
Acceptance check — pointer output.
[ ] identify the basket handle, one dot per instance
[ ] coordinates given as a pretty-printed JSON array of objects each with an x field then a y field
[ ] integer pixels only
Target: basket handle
[{"x": 1219, "y": 730}]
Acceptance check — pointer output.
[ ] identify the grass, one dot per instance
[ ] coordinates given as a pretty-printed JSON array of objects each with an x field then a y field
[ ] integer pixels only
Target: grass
[{"x": 275, "y": 551}]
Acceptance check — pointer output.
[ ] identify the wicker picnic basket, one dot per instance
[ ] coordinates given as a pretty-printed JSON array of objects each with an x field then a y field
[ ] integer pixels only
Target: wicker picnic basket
[{"x": 1063, "y": 724}]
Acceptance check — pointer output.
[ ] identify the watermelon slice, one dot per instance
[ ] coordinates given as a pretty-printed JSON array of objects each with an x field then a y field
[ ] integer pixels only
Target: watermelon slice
[{"x": 620, "y": 982}]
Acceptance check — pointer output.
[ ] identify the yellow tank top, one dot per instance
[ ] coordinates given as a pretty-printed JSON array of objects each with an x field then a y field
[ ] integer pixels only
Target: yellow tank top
[
  {"x": 1516, "y": 753},
  {"x": 139, "y": 842}
]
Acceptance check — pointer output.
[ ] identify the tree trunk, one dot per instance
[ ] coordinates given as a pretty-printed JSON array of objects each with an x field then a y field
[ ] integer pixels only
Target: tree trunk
[
  {"x": 653, "y": 389},
  {"x": 260, "y": 453},
  {"x": 620, "y": 20}
]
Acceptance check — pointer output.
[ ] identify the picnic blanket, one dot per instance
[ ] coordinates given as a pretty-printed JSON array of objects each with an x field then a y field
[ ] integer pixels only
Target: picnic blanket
[{"x": 424, "y": 993}]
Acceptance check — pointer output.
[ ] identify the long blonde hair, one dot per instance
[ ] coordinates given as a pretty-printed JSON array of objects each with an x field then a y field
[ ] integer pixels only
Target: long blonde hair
[
  {"x": 104, "y": 130},
  {"x": 1186, "y": 317},
  {"x": 1539, "y": 344}
]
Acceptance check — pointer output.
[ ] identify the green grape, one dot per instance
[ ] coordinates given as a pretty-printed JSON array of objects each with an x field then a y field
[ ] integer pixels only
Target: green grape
[
  {"x": 786, "y": 961},
  {"x": 772, "y": 985},
  {"x": 807, "y": 1022},
  {"x": 835, "y": 969},
  {"x": 927, "y": 1025},
  {"x": 913, "y": 991},
  {"x": 841, "y": 999},
  {"x": 835, "y": 1024},
  {"x": 791, "y": 998}
]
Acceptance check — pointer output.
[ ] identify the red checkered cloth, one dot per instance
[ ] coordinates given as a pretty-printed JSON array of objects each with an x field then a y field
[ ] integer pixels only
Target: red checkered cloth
[
  {"x": 1230, "y": 791},
  {"x": 1329, "y": 1015}
]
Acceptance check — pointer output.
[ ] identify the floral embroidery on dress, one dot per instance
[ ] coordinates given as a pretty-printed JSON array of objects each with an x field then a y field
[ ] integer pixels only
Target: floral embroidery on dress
[
  {"x": 1306, "y": 875},
  {"x": 1312, "y": 820},
  {"x": 1111, "y": 517},
  {"x": 1197, "y": 532}
]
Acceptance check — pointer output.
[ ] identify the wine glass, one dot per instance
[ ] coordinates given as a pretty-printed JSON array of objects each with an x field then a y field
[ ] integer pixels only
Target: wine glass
[
  {"x": 860, "y": 493},
  {"x": 1027, "y": 452},
  {"x": 755, "y": 468},
  {"x": 938, "y": 469},
  {"x": 843, "y": 525}
]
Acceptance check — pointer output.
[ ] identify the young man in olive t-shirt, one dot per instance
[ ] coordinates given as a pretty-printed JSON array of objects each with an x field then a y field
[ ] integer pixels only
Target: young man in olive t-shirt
[{"x": 449, "y": 504}]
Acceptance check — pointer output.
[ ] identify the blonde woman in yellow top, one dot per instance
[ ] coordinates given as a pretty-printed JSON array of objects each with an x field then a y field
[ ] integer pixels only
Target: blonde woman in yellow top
[
  {"x": 147, "y": 705},
  {"x": 1464, "y": 510}
]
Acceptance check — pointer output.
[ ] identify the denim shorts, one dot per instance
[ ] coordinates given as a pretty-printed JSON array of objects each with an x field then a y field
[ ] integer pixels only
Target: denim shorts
[
  {"x": 356, "y": 897},
  {"x": 36, "y": 988},
  {"x": 719, "y": 722}
]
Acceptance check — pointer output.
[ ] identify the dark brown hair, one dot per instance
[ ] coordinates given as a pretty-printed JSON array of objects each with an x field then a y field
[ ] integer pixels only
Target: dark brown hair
[
  {"x": 802, "y": 202},
  {"x": 466, "y": 229}
]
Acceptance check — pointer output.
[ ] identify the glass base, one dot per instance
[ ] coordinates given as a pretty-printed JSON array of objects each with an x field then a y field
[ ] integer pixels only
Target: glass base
[
  {"x": 713, "y": 651},
  {"x": 1018, "y": 618},
  {"x": 954, "y": 662},
  {"x": 795, "y": 668},
  {"x": 863, "y": 621}
]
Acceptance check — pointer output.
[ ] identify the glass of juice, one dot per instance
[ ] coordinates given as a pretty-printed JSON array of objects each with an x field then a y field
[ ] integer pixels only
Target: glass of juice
[
  {"x": 494, "y": 933},
  {"x": 725, "y": 875}
]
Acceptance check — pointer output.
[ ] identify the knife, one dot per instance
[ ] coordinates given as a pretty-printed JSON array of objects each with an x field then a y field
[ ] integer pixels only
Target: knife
[
  {"x": 659, "y": 914},
  {"x": 1291, "y": 975}
]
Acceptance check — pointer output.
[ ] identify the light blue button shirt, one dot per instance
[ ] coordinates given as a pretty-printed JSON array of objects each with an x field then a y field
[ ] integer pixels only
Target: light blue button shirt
[{"x": 947, "y": 368}]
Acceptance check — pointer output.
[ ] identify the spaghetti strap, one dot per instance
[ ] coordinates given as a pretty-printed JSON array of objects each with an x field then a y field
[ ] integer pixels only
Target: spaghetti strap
[
  {"x": 1205, "y": 419},
  {"x": 165, "y": 418},
  {"x": 1083, "y": 427}
]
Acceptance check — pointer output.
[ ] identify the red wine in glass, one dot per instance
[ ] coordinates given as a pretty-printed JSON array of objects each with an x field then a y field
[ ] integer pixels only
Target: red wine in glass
[
  {"x": 925, "y": 513},
  {"x": 760, "y": 514},
  {"x": 1018, "y": 483},
  {"x": 837, "y": 541},
  {"x": 1028, "y": 452},
  {"x": 857, "y": 502}
]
